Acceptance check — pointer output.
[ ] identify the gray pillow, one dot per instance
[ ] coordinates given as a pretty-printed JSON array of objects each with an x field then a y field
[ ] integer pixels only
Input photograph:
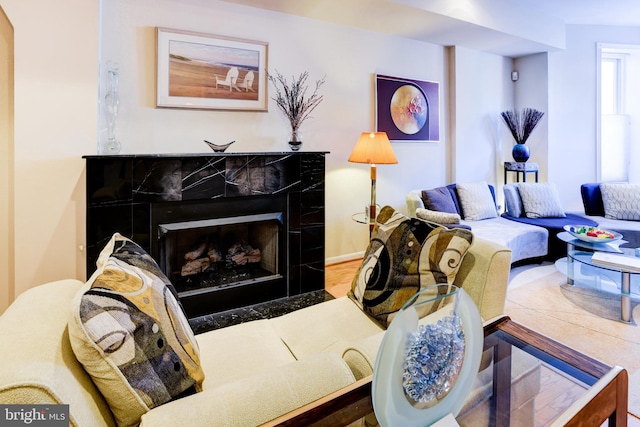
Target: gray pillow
[
  {"x": 476, "y": 201},
  {"x": 621, "y": 200},
  {"x": 540, "y": 200},
  {"x": 439, "y": 199}
]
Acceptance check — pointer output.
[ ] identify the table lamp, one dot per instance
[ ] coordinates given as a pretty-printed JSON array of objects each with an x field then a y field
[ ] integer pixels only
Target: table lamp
[{"x": 373, "y": 148}]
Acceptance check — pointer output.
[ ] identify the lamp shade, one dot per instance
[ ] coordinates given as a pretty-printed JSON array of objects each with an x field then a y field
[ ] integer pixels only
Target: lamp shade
[{"x": 373, "y": 148}]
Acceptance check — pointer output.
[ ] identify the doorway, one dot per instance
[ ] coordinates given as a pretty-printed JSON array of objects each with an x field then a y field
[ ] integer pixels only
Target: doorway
[{"x": 7, "y": 277}]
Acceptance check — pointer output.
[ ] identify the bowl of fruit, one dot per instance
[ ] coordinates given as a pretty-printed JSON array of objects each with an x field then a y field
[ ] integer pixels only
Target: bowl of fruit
[{"x": 592, "y": 234}]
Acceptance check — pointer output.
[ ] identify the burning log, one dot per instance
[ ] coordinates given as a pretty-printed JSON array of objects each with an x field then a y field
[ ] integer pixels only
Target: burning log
[
  {"x": 215, "y": 255},
  {"x": 203, "y": 255},
  {"x": 254, "y": 256},
  {"x": 241, "y": 253},
  {"x": 194, "y": 267},
  {"x": 195, "y": 252},
  {"x": 213, "y": 252}
]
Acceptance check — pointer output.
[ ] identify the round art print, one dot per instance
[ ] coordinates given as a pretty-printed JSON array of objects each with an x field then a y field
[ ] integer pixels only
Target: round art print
[{"x": 409, "y": 109}]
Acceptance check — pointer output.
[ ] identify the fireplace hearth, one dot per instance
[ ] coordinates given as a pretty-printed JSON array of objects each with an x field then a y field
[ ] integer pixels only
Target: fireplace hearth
[{"x": 228, "y": 230}]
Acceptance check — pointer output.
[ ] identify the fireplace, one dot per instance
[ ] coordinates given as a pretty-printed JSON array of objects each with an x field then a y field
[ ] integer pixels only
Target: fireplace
[
  {"x": 229, "y": 230},
  {"x": 179, "y": 230},
  {"x": 199, "y": 255}
]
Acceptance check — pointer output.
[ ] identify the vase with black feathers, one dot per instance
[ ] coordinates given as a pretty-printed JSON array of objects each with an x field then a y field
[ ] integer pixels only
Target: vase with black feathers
[{"x": 521, "y": 124}]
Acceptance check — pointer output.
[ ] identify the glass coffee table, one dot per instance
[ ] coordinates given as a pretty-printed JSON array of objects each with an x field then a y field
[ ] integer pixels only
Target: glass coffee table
[
  {"x": 607, "y": 278},
  {"x": 583, "y": 391}
]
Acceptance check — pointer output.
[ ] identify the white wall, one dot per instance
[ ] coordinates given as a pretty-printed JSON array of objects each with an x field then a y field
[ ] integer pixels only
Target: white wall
[
  {"x": 482, "y": 89},
  {"x": 531, "y": 92},
  {"x": 572, "y": 108},
  {"x": 348, "y": 57},
  {"x": 55, "y": 124}
]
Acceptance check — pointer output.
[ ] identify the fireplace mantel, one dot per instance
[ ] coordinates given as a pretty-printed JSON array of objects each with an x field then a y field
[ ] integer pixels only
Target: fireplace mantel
[{"x": 133, "y": 194}]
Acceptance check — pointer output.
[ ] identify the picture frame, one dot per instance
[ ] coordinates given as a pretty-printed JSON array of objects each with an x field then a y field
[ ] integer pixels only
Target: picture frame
[
  {"x": 407, "y": 109},
  {"x": 205, "y": 71}
]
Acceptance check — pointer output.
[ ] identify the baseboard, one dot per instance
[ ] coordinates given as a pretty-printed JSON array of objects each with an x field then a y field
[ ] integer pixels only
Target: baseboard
[{"x": 343, "y": 258}]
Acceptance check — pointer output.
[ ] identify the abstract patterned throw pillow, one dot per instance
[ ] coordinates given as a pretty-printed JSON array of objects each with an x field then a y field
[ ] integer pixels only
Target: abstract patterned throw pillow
[
  {"x": 540, "y": 200},
  {"x": 131, "y": 335},
  {"x": 476, "y": 201},
  {"x": 621, "y": 200},
  {"x": 404, "y": 256}
]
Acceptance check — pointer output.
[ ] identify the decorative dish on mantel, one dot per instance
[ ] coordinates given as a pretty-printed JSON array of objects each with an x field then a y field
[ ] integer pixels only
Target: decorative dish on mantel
[{"x": 217, "y": 147}]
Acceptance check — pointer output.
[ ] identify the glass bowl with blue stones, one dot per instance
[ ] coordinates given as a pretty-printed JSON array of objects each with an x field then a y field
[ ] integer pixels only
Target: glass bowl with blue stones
[{"x": 428, "y": 358}]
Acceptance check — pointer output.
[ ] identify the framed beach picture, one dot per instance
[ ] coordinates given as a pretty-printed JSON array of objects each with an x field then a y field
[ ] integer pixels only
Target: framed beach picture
[
  {"x": 406, "y": 109},
  {"x": 204, "y": 71}
]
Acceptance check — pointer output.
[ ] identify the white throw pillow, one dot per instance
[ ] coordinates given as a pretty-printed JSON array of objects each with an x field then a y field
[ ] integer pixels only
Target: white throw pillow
[
  {"x": 438, "y": 217},
  {"x": 476, "y": 201},
  {"x": 621, "y": 200},
  {"x": 540, "y": 200}
]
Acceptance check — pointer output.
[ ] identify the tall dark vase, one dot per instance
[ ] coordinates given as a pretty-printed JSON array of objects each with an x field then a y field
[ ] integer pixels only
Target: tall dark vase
[{"x": 520, "y": 152}]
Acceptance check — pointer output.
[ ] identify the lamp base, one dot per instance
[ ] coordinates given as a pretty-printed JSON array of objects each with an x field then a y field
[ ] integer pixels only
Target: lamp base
[
  {"x": 372, "y": 218},
  {"x": 372, "y": 206}
]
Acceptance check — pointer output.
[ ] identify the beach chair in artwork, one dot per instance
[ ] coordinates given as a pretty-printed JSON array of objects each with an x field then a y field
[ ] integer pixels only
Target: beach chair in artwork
[
  {"x": 230, "y": 80},
  {"x": 247, "y": 83}
]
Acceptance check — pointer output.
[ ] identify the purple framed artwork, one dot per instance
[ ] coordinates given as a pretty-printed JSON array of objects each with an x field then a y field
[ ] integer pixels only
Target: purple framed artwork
[{"x": 406, "y": 109}]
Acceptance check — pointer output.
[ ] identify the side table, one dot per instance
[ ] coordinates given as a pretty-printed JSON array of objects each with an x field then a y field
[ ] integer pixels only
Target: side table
[
  {"x": 581, "y": 253},
  {"x": 520, "y": 168},
  {"x": 363, "y": 217}
]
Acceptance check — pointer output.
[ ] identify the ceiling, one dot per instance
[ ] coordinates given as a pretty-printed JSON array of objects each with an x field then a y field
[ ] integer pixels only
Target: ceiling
[
  {"x": 590, "y": 12},
  {"x": 510, "y": 28}
]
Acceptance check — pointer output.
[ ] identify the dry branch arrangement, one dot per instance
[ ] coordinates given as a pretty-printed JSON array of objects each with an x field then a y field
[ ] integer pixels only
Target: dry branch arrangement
[
  {"x": 291, "y": 97},
  {"x": 521, "y": 123}
]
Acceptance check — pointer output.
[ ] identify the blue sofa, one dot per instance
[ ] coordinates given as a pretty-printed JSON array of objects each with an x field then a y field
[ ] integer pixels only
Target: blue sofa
[
  {"x": 556, "y": 248},
  {"x": 594, "y": 211}
]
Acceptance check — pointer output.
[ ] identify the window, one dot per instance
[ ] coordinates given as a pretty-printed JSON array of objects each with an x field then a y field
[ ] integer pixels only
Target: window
[
  {"x": 617, "y": 64},
  {"x": 611, "y": 83}
]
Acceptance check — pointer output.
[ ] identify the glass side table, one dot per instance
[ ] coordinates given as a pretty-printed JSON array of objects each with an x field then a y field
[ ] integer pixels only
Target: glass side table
[
  {"x": 580, "y": 253},
  {"x": 363, "y": 217}
]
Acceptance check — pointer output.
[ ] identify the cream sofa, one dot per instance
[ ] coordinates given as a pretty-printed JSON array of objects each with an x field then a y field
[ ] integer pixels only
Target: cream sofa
[{"x": 254, "y": 372}]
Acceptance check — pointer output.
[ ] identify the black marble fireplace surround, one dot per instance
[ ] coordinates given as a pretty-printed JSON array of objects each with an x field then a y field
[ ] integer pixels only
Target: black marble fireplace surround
[{"x": 137, "y": 195}]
